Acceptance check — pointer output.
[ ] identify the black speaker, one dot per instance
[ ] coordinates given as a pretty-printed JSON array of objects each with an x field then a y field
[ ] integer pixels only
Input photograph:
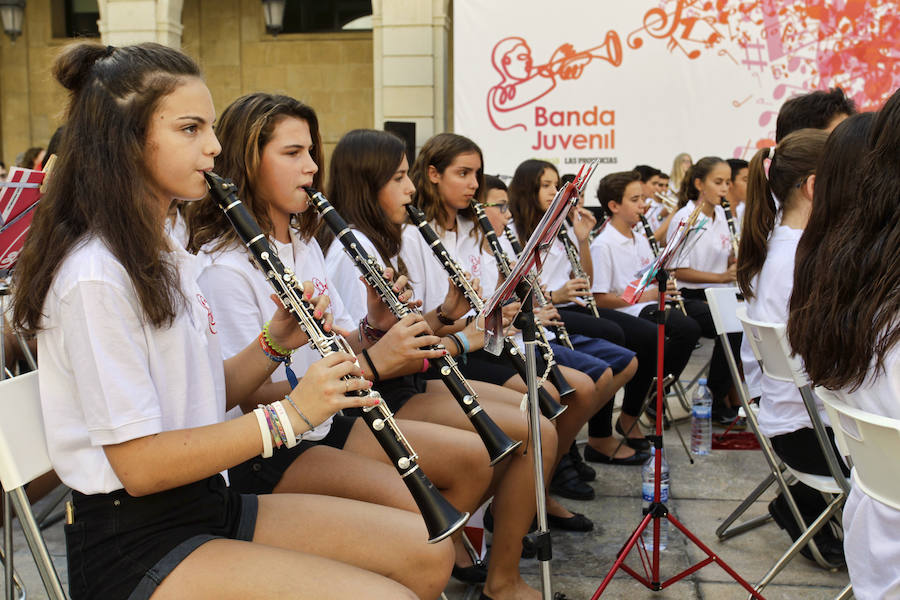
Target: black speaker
[{"x": 406, "y": 131}]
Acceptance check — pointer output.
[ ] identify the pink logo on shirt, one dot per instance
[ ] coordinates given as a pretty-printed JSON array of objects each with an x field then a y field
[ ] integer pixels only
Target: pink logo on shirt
[
  {"x": 321, "y": 286},
  {"x": 726, "y": 241},
  {"x": 209, "y": 315},
  {"x": 475, "y": 265},
  {"x": 644, "y": 261}
]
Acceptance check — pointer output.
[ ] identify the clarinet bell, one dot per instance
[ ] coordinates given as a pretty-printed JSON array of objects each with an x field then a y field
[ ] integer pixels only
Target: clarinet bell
[
  {"x": 441, "y": 518},
  {"x": 498, "y": 444}
]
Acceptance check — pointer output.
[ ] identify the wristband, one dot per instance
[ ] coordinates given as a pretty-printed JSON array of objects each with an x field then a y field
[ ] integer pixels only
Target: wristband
[
  {"x": 277, "y": 436},
  {"x": 375, "y": 376},
  {"x": 445, "y": 320},
  {"x": 459, "y": 348},
  {"x": 372, "y": 334},
  {"x": 265, "y": 432},
  {"x": 290, "y": 439},
  {"x": 459, "y": 335},
  {"x": 425, "y": 365},
  {"x": 299, "y": 412}
]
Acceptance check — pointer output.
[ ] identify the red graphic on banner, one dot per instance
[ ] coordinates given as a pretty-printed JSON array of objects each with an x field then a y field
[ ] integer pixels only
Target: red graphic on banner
[{"x": 522, "y": 82}]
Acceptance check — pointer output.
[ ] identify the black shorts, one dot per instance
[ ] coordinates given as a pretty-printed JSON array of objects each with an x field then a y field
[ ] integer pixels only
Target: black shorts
[
  {"x": 397, "y": 391},
  {"x": 123, "y": 547},
  {"x": 260, "y": 475}
]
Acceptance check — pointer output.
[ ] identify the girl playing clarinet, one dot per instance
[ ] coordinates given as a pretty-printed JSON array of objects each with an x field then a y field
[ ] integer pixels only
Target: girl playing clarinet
[{"x": 133, "y": 386}]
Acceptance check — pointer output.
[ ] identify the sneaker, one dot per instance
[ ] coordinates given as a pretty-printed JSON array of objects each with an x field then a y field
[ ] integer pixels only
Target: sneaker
[{"x": 724, "y": 415}]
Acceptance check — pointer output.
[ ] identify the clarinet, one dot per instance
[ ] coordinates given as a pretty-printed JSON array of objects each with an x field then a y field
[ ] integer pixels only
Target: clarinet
[
  {"x": 555, "y": 375},
  {"x": 498, "y": 444},
  {"x": 726, "y": 206},
  {"x": 577, "y": 269},
  {"x": 441, "y": 518},
  {"x": 550, "y": 408},
  {"x": 562, "y": 334},
  {"x": 598, "y": 229}
]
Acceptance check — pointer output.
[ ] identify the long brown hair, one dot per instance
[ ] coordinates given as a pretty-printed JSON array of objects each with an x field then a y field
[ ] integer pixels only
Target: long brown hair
[
  {"x": 699, "y": 170},
  {"x": 523, "y": 196},
  {"x": 361, "y": 164},
  {"x": 439, "y": 152},
  {"x": 101, "y": 186},
  {"x": 795, "y": 159},
  {"x": 244, "y": 129},
  {"x": 845, "y": 309}
]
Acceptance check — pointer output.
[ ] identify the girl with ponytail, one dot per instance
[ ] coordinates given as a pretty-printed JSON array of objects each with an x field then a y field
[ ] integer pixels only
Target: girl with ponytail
[{"x": 765, "y": 274}]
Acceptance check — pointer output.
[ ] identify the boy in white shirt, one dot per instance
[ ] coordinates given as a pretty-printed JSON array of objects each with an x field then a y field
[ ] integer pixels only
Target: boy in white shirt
[{"x": 618, "y": 254}]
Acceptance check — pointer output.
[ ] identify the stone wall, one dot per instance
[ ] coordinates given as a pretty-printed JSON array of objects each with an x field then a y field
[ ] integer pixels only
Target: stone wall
[{"x": 331, "y": 72}]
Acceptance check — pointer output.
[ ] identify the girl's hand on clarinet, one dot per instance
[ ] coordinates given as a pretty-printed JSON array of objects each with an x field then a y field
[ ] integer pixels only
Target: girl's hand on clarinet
[
  {"x": 547, "y": 315},
  {"x": 403, "y": 347},
  {"x": 284, "y": 329},
  {"x": 321, "y": 391},
  {"x": 455, "y": 304},
  {"x": 380, "y": 316},
  {"x": 572, "y": 291}
]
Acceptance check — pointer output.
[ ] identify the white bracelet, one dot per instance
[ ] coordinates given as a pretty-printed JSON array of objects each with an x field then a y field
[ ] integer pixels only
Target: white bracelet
[
  {"x": 286, "y": 424},
  {"x": 264, "y": 431}
]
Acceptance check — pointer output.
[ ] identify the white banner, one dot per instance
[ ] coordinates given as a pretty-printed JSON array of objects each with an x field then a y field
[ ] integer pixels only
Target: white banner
[{"x": 641, "y": 81}]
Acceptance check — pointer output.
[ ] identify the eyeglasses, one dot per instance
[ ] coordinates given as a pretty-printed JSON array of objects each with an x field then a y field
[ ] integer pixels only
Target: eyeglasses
[{"x": 503, "y": 206}]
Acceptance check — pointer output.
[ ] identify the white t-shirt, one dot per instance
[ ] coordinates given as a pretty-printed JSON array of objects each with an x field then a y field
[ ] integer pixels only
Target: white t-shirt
[
  {"x": 617, "y": 260},
  {"x": 178, "y": 229},
  {"x": 709, "y": 252},
  {"x": 870, "y": 527},
  {"x": 781, "y": 409},
  {"x": 738, "y": 214},
  {"x": 427, "y": 276},
  {"x": 240, "y": 296},
  {"x": 343, "y": 275},
  {"x": 107, "y": 377}
]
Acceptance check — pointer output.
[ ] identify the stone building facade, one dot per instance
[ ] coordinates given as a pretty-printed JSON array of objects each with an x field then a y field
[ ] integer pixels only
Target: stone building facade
[{"x": 398, "y": 71}]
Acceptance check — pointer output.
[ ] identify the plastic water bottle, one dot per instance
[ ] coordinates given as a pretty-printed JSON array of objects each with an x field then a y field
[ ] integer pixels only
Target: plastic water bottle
[
  {"x": 647, "y": 488},
  {"x": 701, "y": 420}
]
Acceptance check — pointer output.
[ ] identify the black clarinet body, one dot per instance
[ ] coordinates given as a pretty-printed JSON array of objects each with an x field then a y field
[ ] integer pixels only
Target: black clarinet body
[
  {"x": 562, "y": 334},
  {"x": 550, "y": 408},
  {"x": 441, "y": 518},
  {"x": 577, "y": 269},
  {"x": 651, "y": 239},
  {"x": 732, "y": 229},
  {"x": 498, "y": 444}
]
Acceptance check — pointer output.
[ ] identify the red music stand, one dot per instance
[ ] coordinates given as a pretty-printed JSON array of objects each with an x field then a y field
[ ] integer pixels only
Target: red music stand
[
  {"x": 19, "y": 195},
  {"x": 658, "y": 510}
]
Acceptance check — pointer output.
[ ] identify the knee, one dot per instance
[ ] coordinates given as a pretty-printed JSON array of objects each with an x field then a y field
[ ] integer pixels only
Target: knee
[
  {"x": 631, "y": 369},
  {"x": 549, "y": 439}
]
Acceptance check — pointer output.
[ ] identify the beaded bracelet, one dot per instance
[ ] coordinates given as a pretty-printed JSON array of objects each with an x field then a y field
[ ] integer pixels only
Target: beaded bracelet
[
  {"x": 370, "y": 333},
  {"x": 278, "y": 349},
  {"x": 444, "y": 319},
  {"x": 271, "y": 353}
]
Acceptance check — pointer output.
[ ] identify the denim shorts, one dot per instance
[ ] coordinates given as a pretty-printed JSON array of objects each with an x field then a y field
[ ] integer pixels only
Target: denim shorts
[{"x": 122, "y": 547}]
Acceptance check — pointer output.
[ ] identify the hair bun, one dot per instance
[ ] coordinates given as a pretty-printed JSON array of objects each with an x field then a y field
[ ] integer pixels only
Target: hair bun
[{"x": 74, "y": 64}]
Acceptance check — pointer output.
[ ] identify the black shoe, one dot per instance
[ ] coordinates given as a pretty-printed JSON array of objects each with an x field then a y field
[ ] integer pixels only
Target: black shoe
[
  {"x": 638, "y": 458},
  {"x": 642, "y": 444},
  {"x": 585, "y": 473},
  {"x": 577, "y": 522},
  {"x": 724, "y": 415},
  {"x": 831, "y": 548},
  {"x": 567, "y": 483},
  {"x": 470, "y": 574}
]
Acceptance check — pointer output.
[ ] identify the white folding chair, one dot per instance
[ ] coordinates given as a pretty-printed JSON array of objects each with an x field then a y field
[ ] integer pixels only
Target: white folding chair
[
  {"x": 23, "y": 457},
  {"x": 723, "y": 307},
  {"x": 770, "y": 346}
]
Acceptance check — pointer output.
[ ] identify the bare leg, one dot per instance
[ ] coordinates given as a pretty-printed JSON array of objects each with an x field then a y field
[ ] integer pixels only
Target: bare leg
[
  {"x": 513, "y": 504},
  {"x": 296, "y": 553}
]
